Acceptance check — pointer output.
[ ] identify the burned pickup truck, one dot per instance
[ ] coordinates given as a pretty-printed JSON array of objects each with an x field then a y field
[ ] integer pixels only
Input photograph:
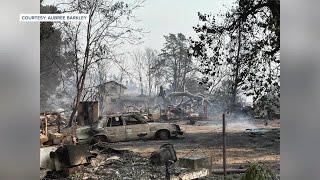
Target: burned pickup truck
[{"x": 126, "y": 127}]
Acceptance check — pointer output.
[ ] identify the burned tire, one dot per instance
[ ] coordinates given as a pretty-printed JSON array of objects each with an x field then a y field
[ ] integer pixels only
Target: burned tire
[
  {"x": 163, "y": 135},
  {"x": 98, "y": 139}
]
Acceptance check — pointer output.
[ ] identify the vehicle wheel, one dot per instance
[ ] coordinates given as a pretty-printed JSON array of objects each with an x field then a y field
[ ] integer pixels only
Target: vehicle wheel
[
  {"x": 98, "y": 139},
  {"x": 163, "y": 135}
]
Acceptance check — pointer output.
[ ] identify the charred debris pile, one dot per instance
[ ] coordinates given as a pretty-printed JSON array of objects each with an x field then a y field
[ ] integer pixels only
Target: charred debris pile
[{"x": 103, "y": 162}]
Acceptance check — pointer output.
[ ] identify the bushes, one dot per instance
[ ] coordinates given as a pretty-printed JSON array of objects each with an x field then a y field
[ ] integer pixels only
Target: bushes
[{"x": 258, "y": 172}]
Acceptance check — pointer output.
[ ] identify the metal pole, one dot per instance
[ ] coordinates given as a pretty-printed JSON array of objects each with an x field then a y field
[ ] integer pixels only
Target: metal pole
[
  {"x": 59, "y": 123},
  {"x": 224, "y": 144},
  {"x": 167, "y": 171}
]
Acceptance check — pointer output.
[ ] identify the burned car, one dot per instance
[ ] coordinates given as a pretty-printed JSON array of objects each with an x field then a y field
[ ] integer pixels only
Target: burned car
[{"x": 126, "y": 127}]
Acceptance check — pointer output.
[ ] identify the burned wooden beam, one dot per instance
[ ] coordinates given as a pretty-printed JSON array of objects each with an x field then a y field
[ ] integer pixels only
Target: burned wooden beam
[
  {"x": 229, "y": 171},
  {"x": 192, "y": 175}
]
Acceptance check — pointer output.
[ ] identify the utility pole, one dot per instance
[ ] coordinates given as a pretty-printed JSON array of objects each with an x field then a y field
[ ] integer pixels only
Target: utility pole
[{"x": 224, "y": 144}]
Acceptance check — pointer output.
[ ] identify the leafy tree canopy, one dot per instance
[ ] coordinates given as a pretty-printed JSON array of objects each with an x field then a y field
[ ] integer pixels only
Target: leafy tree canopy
[
  {"x": 174, "y": 63},
  {"x": 242, "y": 45},
  {"x": 52, "y": 61}
]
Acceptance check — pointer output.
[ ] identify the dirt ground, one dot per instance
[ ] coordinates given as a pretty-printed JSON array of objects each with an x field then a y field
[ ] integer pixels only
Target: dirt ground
[{"x": 205, "y": 138}]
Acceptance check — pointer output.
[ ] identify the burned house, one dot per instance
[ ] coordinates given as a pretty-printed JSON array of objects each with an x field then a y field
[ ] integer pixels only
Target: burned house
[
  {"x": 110, "y": 94},
  {"x": 138, "y": 102},
  {"x": 113, "y": 99},
  {"x": 134, "y": 103}
]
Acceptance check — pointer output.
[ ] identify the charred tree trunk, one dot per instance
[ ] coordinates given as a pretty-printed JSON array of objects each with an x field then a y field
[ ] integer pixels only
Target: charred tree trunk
[
  {"x": 149, "y": 83},
  {"x": 85, "y": 66},
  {"x": 77, "y": 100},
  {"x": 236, "y": 75},
  {"x": 141, "y": 85}
]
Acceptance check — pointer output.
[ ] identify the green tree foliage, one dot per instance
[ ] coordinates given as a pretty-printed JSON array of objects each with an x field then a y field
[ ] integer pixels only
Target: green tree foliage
[
  {"x": 258, "y": 172},
  {"x": 174, "y": 63},
  {"x": 268, "y": 105},
  {"x": 193, "y": 87},
  {"x": 245, "y": 43},
  {"x": 222, "y": 95},
  {"x": 151, "y": 56},
  {"x": 52, "y": 61}
]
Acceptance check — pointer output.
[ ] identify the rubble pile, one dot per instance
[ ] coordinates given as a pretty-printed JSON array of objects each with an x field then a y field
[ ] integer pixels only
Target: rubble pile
[{"x": 114, "y": 164}]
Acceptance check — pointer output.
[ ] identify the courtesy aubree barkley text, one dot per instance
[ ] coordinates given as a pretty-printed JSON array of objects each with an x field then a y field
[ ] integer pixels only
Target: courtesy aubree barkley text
[{"x": 56, "y": 17}]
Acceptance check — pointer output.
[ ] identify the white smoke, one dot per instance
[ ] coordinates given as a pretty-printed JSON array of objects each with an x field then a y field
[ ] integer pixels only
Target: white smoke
[{"x": 238, "y": 123}]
